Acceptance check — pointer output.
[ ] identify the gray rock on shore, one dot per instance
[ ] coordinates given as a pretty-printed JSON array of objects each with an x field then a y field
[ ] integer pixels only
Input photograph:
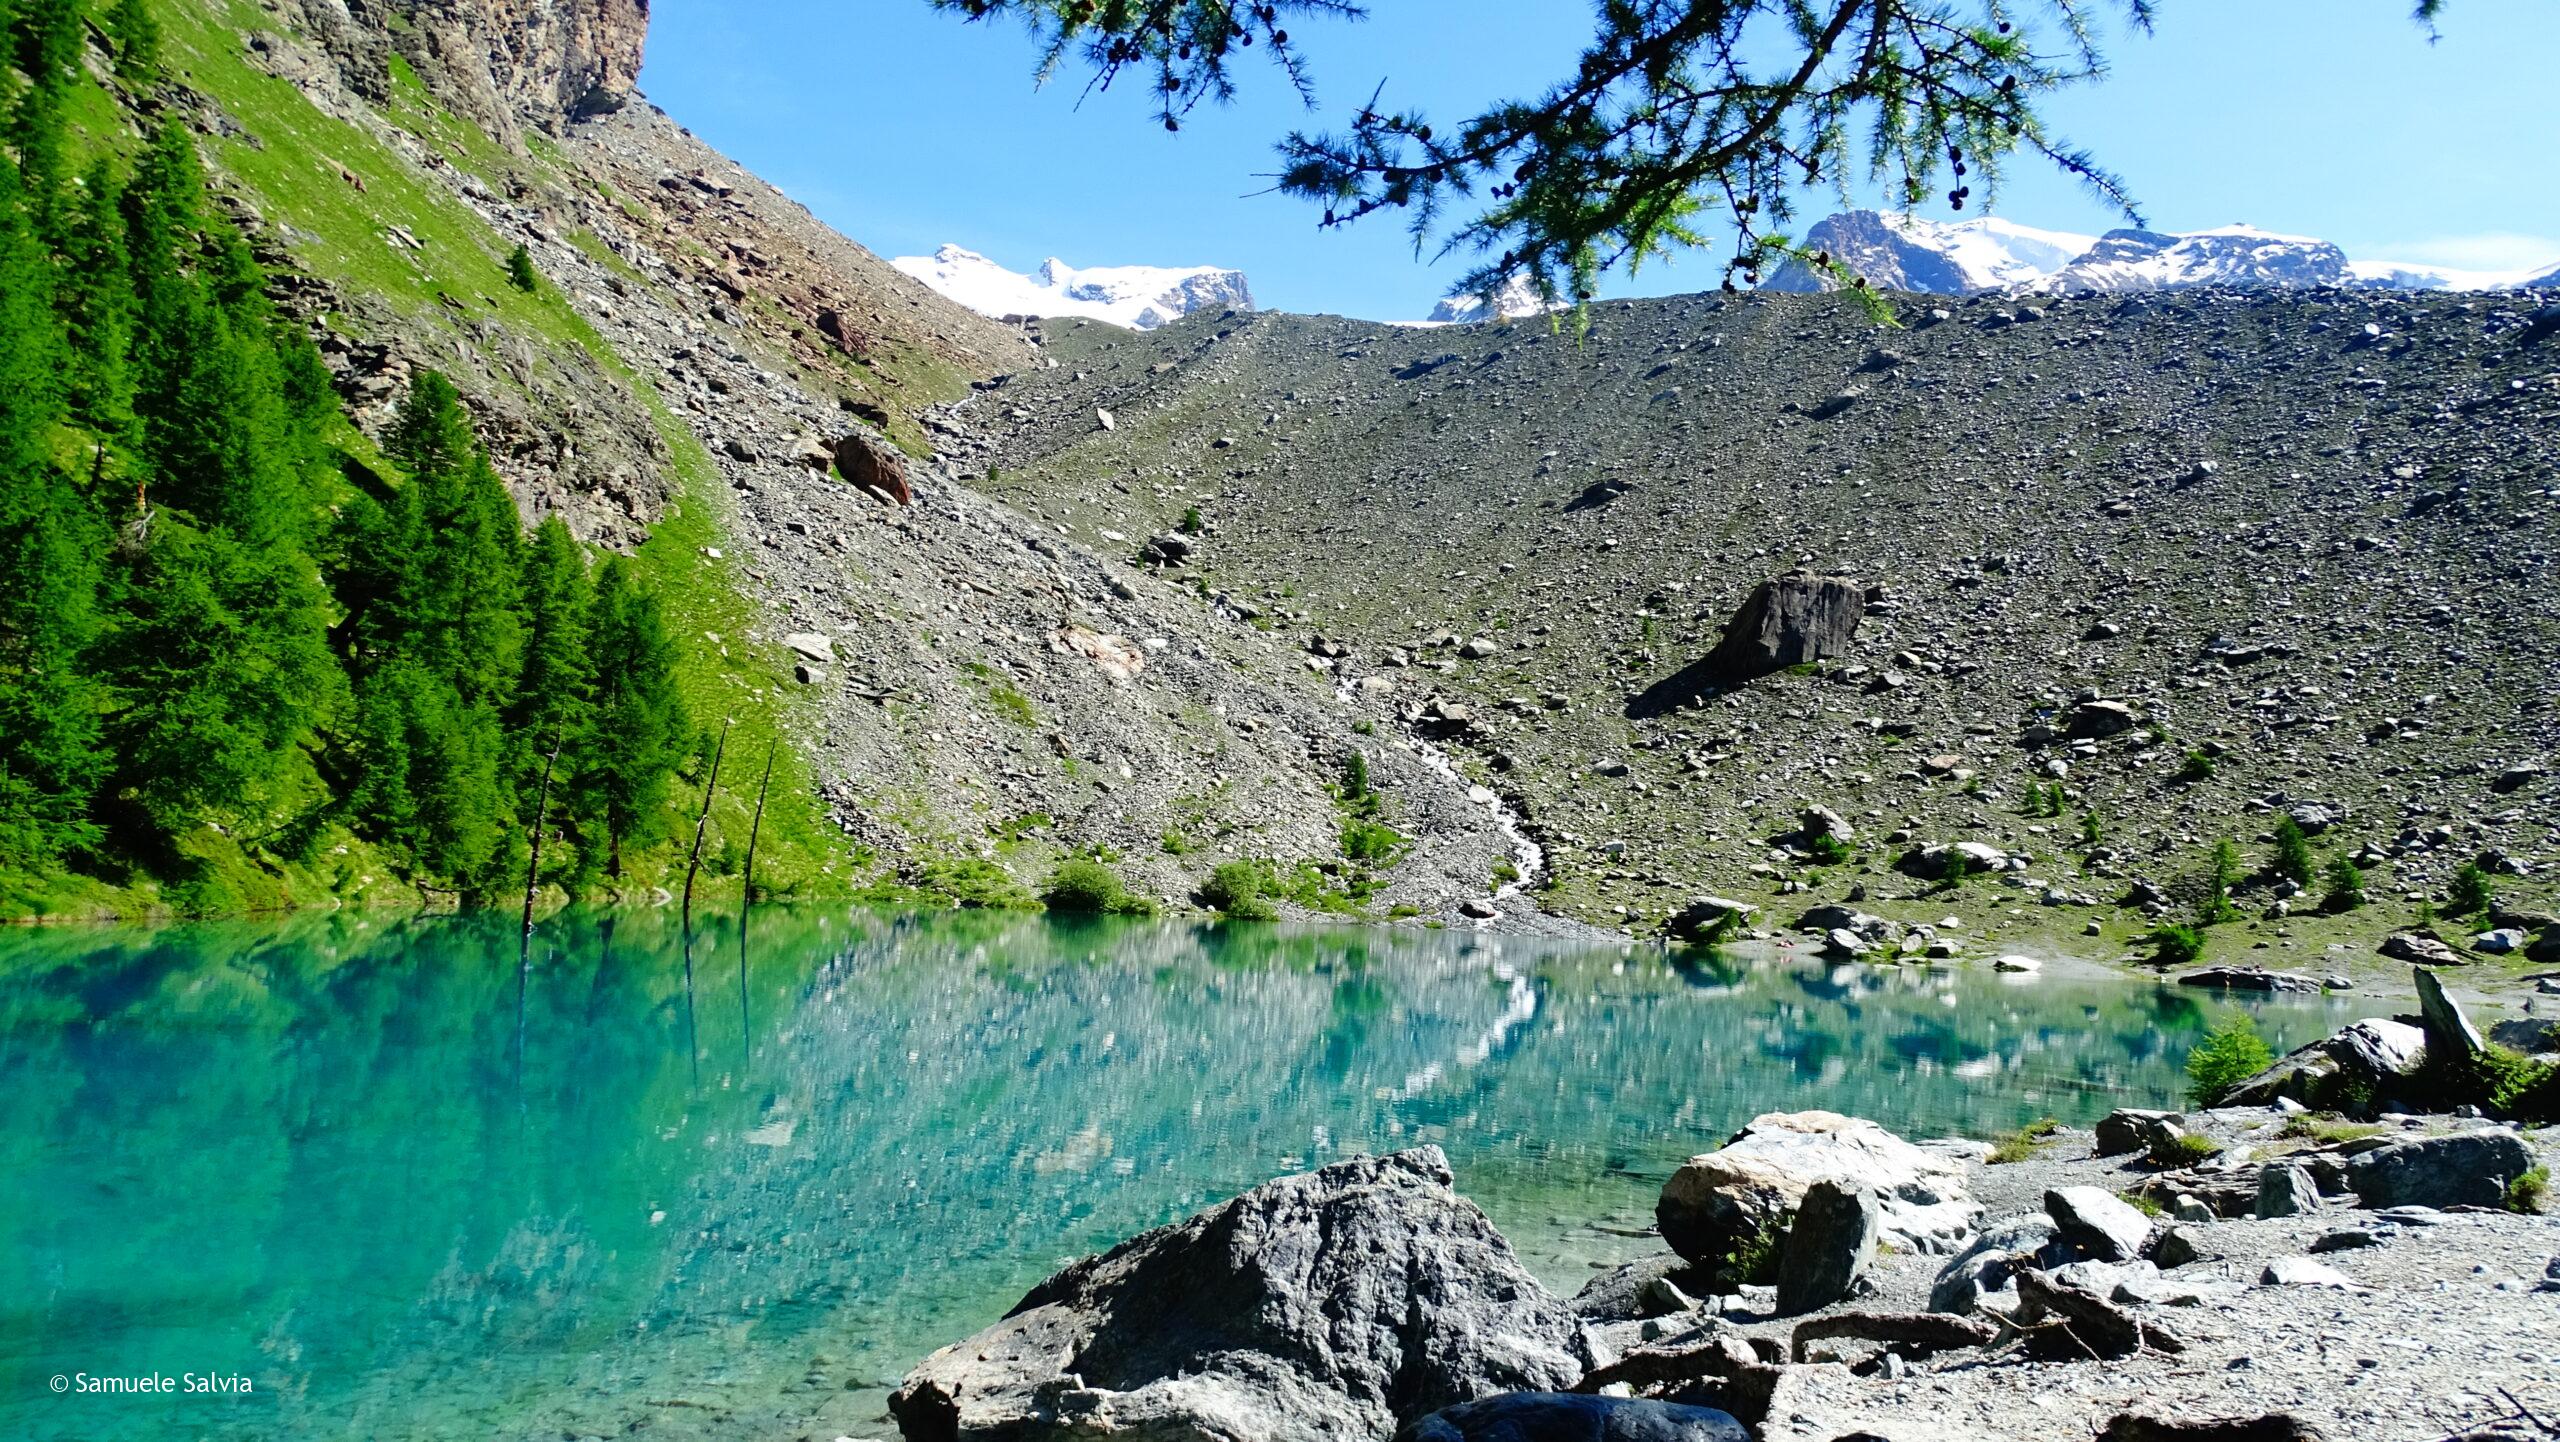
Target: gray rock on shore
[
  {"x": 1755, "y": 1182},
  {"x": 1334, "y": 1304},
  {"x": 2466, "y": 1169},
  {"x": 2098, "y": 1222},
  {"x": 1829, "y": 1247}
]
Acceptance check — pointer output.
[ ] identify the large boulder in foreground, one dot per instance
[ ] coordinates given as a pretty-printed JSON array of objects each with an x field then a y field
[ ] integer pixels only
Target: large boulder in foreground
[
  {"x": 1570, "y": 1417},
  {"x": 1757, "y": 1180},
  {"x": 1336, "y": 1304}
]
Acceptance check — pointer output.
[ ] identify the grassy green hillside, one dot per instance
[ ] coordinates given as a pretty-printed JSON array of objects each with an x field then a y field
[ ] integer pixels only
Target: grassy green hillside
[{"x": 337, "y": 210}]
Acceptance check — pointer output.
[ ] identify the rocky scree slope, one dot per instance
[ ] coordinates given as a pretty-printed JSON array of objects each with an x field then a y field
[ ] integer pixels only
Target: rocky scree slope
[
  {"x": 968, "y": 685},
  {"x": 2299, "y": 545}
]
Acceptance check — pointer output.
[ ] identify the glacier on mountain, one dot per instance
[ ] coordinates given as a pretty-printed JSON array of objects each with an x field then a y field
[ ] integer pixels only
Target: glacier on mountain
[
  {"x": 1140, "y": 297},
  {"x": 1910, "y": 253}
]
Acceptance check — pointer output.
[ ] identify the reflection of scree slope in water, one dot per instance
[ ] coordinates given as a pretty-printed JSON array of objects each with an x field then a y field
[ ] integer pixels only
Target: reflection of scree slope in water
[{"x": 309, "y": 1152}]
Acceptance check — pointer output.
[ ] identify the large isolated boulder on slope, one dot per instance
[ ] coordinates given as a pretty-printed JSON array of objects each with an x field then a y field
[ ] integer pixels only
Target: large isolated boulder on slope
[
  {"x": 1755, "y": 1182},
  {"x": 1788, "y": 621},
  {"x": 1571, "y": 1417},
  {"x": 1336, "y": 1304},
  {"x": 874, "y": 467}
]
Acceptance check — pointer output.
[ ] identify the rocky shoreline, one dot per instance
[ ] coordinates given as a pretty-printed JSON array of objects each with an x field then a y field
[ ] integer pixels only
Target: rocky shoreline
[{"x": 2244, "y": 1272}]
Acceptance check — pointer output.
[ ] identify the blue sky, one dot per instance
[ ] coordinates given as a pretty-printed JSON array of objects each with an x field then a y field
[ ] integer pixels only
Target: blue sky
[{"x": 905, "y": 128}]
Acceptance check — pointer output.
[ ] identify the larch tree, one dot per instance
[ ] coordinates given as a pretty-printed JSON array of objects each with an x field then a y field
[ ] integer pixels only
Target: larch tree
[
  {"x": 51, "y": 756},
  {"x": 1681, "y": 122},
  {"x": 641, "y": 732}
]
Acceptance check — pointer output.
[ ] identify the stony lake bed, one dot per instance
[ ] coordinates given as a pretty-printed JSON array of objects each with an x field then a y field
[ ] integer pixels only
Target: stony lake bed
[{"x": 412, "y": 1187}]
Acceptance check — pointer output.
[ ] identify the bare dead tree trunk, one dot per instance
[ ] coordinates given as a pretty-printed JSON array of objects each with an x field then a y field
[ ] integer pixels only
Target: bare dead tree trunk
[
  {"x": 756, "y": 828},
  {"x": 541, "y": 812},
  {"x": 702, "y": 824}
]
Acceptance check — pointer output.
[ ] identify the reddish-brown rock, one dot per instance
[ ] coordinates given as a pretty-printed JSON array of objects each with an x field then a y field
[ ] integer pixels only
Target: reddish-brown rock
[{"x": 875, "y": 467}]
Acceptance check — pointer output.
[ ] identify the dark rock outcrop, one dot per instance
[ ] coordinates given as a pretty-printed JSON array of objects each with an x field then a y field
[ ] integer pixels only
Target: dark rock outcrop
[
  {"x": 1570, "y": 1417},
  {"x": 1787, "y": 622},
  {"x": 1338, "y": 1303},
  {"x": 1794, "y": 619}
]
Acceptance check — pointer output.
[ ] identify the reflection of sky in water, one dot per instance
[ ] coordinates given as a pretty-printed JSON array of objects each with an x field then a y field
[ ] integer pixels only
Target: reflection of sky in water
[{"x": 416, "y": 1195}]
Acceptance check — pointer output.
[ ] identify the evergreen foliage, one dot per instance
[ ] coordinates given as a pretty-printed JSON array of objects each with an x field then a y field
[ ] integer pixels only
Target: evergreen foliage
[
  {"x": 520, "y": 271},
  {"x": 135, "y": 34},
  {"x": 50, "y": 544},
  {"x": 2471, "y": 892},
  {"x": 2222, "y": 872},
  {"x": 2230, "y": 1054},
  {"x": 208, "y": 647},
  {"x": 2293, "y": 859},
  {"x": 640, "y": 730}
]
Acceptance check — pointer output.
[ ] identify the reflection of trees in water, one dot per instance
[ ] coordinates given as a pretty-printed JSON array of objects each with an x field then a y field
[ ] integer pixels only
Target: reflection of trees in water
[{"x": 311, "y": 1149}]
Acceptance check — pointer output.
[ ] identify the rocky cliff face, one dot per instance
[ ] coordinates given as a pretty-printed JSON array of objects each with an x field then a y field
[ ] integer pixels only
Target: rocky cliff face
[
  {"x": 503, "y": 63},
  {"x": 541, "y": 59}
]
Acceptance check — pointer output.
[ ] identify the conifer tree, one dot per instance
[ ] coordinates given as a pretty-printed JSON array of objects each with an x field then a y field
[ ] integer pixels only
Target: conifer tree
[
  {"x": 46, "y": 37},
  {"x": 555, "y": 694},
  {"x": 98, "y": 307},
  {"x": 462, "y": 612},
  {"x": 641, "y": 731},
  {"x": 135, "y": 33},
  {"x": 430, "y": 586},
  {"x": 557, "y": 681},
  {"x": 219, "y": 643},
  {"x": 160, "y": 208},
  {"x": 50, "y": 541}
]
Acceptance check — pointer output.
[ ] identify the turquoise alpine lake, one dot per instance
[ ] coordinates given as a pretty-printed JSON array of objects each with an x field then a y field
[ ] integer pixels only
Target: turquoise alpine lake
[{"x": 407, "y": 1180}]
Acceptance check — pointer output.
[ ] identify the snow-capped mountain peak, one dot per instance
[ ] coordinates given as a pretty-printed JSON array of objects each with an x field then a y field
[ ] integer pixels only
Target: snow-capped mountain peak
[
  {"x": 1906, "y": 252},
  {"x": 1140, "y": 297},
  {"x": 1909, "y": 253},
  {"x": 1518, "y": 297},
  {"x": 2230, "y": 255}
]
